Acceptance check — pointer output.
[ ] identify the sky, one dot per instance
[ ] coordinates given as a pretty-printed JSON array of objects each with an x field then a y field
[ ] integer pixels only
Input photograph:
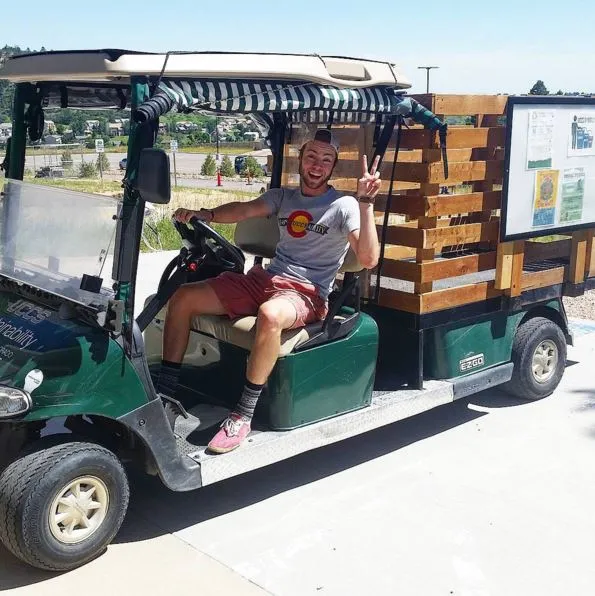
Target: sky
[{"x": 480, "y": 47}]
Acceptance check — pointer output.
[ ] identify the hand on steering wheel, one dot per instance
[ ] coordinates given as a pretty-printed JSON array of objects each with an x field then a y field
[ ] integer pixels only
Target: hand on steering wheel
[
  {"x": 219, "y": 250},
  {"x": 185, "y": 215}
]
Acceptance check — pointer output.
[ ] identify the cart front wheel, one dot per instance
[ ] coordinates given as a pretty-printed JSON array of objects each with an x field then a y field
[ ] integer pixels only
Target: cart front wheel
[
  {"x": 539, "y": 358},
  {"x": 61, "y": 506}
]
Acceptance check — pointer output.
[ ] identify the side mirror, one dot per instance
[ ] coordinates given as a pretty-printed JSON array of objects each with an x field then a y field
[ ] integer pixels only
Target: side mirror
[{"x": 153, "y": 181}]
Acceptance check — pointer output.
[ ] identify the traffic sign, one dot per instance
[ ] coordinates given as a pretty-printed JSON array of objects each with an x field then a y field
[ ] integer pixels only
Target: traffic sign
[
  {"x": 99, "y": 148},
  {"x": 173, "y": 145}
]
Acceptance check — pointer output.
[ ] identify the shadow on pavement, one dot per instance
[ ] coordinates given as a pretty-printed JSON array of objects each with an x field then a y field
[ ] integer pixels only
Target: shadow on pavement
[
  {"x": 14, "y": 574},
  {"x": 167, "y": 512},
  {"x": 155, "y": 510}
]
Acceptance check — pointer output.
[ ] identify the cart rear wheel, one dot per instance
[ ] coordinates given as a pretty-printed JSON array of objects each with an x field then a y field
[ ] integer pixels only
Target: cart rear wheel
[
  {"x": 61, "y": 506},
  {"x": 539, "y": 358}
]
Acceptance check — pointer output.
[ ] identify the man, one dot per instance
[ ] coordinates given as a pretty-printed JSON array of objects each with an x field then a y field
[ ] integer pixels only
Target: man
[{"x": 317, "y": 226}]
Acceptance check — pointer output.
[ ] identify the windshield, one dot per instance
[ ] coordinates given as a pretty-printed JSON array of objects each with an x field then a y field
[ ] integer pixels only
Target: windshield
[{"x": 50, "y": 238}]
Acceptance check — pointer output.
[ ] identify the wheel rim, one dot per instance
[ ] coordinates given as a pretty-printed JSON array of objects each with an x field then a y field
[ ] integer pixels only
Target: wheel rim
[
  {"x": 545, "y": 361},
  {"x": 79, "y": 510}
]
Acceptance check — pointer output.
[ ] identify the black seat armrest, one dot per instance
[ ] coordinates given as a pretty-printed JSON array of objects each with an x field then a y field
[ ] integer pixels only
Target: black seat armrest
[{"x": 332, "y": 328}]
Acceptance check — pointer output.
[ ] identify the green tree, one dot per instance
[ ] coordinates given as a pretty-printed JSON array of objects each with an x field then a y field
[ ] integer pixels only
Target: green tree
[
  {"x": 539, "y": 89},
  {"x": 102, "y": 162},
  {"x": 209, "y": 166},
  {"x": 227, "y": 168},
  {"x": 252, "y": 168}
]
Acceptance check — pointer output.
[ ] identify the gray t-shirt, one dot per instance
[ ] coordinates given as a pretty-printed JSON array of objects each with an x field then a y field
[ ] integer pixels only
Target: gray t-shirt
[{"x": 313, "y": 234}]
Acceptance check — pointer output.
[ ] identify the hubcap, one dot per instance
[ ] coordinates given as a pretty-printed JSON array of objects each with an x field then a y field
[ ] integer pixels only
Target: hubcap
[
  {"x": 79, "y": 509},
  {"x": 545, "y": 360}
]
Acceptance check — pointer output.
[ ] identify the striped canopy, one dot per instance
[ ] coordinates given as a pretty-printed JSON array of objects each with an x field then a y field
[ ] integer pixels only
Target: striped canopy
[{"x": 267, "y": 97}]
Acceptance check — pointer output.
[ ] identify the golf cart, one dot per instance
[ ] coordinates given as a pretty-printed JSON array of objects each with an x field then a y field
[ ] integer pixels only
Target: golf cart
[{"x": 77, "y": 399}]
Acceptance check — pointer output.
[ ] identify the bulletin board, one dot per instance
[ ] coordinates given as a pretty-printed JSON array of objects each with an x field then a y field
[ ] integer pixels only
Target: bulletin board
[{"x": 549, "y": 177}]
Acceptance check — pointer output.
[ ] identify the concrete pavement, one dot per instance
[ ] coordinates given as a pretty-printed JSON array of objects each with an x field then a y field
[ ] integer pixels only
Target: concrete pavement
[{"x": 489, "y": 496}]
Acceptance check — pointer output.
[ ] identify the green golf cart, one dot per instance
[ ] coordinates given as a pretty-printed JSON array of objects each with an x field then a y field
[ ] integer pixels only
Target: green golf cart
[{"x": 77, "y": 363}]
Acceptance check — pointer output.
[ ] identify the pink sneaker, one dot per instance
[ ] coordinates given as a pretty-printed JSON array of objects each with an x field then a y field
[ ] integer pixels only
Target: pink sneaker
[{"x": 233, "y": 431}]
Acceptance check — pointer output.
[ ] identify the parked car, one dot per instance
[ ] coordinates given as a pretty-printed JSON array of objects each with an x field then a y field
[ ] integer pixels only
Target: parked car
[{"x": 123, "y": 163}]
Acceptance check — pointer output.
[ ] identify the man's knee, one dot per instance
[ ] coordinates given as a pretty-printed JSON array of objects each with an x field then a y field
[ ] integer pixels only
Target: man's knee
[{"x": 274, "y": 316}]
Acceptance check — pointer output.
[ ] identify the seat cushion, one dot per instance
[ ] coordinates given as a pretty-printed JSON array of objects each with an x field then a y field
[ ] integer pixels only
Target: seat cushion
[{"x": 241, "y": 332}]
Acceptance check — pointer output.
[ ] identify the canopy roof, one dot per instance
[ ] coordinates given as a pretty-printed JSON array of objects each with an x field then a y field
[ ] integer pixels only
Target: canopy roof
[{"x": 117, "y": 66}]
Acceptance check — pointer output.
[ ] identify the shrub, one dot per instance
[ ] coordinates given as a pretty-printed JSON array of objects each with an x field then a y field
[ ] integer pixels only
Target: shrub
[
  {"x": 227, "y": 168},
  {"x": 252, "y": 168},
  {"x": 66, "y": 159},
  {"x": 87, "y": 170},
  {"x": 209, "y": 166},
  {"x": 102, "y": 162}
]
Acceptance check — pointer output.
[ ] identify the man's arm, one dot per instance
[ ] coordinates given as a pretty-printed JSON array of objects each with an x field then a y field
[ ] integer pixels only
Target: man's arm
[
  {"x": 228, "y": 213},
  {"x": 364, "y": 241}
]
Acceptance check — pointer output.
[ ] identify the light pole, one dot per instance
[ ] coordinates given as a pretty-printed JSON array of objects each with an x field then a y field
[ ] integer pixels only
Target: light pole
[
  {"x": 428, "y": 69},
  {"x": 217, "y": 137}
]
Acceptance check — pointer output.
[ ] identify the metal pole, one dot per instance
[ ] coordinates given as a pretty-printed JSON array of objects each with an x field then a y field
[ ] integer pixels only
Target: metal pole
[
  {"x": 175, "y": 171},
  {"x": 217, "y": 137},
  {"x": 427, "y": 69}
]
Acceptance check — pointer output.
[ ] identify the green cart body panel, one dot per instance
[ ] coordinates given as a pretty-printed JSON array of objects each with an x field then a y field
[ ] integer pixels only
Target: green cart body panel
[
  {"x": 304, "y": 387},
  {"x": 465, "y": 347},
  {"x": 84, "y": 370}
]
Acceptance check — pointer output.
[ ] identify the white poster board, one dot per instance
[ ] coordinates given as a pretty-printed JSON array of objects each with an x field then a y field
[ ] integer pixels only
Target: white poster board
[{"x": 549, "y": 182}]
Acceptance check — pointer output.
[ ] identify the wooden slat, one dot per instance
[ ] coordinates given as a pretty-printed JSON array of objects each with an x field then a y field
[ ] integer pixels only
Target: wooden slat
[
  {"x": 462, "y": 234},
  {"x": 398, "y": 252},
  {"x": 451, "y": 297},
  {"x": 438, "y": 205},
  {"x": 504, "y": 266},
  {"x": 458, "y": 171},
  {"x": 541, "y": 251},
  {"x": 399, "y": 300},
  {"x": 405, "y": 236},
  {"x": 464, "y": 203},
  {"x": 531, "y": 280},
  {"x": 442, "y": 269},
  {"x": 462, "y": 105},
  {"x": 435, "y": 155},
  {"x": 518, "y": 254},
  {"x": 578, "y": 257},
  {"x": 590, "y": 258},
  {"x": 442, "y": 236},
  {"x": 401, "y": 203},
  {"x": 426, "y": 255}
]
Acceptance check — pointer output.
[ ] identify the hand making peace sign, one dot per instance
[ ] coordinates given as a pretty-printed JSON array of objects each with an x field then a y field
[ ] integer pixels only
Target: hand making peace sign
[{"x": 369, "y": 184}]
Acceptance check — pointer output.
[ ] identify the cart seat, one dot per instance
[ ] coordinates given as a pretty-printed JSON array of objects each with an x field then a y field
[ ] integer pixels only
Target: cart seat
[{"x": 259, "y": 236}]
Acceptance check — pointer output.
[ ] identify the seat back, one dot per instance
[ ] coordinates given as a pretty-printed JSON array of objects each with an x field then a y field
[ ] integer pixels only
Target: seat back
[{"x": 260, "y": 235}]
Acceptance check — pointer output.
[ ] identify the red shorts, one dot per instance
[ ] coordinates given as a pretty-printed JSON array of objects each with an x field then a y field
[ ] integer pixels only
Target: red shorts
[{"x": 242, "y": 294}]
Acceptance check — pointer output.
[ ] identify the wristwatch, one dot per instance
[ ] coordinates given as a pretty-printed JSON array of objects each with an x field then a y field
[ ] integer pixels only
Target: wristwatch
[{"x": 369, "y": 200}]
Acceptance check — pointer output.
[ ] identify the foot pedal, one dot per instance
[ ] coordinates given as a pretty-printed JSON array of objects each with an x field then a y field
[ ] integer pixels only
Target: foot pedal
[{"x": 175, "y": 403}]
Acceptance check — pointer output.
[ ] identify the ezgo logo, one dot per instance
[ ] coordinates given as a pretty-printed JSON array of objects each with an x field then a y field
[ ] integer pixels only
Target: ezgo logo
[{"x": 471, "y": 362}]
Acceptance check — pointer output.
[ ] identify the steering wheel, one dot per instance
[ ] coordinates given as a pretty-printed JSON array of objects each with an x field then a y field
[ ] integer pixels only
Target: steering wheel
[{"x": 215, "y": 247}]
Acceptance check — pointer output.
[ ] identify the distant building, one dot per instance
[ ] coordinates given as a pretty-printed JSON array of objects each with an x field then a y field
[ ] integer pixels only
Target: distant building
[{"x": 52, "y": 140}]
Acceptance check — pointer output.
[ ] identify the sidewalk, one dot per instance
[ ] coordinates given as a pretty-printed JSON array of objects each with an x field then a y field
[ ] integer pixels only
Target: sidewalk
[{"x": 152, "y": 564}]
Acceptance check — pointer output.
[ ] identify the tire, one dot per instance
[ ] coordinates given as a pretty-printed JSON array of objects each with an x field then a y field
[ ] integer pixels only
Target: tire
[
  {"x": 537, "y": 341},
  {"x": 46, "y": 534}
]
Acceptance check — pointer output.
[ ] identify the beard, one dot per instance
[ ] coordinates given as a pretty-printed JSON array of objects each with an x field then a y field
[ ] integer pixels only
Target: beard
[{"x": 314, "y": 184}]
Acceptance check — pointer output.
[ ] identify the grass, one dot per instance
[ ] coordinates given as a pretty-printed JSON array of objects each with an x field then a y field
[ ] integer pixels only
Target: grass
[{"x": 188, "y": 198}]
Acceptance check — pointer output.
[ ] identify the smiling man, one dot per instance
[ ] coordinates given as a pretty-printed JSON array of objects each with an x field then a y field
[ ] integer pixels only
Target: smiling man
[{"x": 317, "y": 225}]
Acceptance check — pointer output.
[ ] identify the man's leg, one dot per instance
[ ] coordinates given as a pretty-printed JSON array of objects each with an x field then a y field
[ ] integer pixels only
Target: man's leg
[
  {"x": 273, "y": 317},
  {"x": 189, "y": 301}
]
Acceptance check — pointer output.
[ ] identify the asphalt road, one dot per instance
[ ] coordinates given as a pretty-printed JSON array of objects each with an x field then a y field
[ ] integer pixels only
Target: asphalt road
[{"x": 186, "y": 163}]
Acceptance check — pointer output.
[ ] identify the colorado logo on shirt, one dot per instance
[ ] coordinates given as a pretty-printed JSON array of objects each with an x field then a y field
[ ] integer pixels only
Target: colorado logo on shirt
[{"x": 299, "y": 223}]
